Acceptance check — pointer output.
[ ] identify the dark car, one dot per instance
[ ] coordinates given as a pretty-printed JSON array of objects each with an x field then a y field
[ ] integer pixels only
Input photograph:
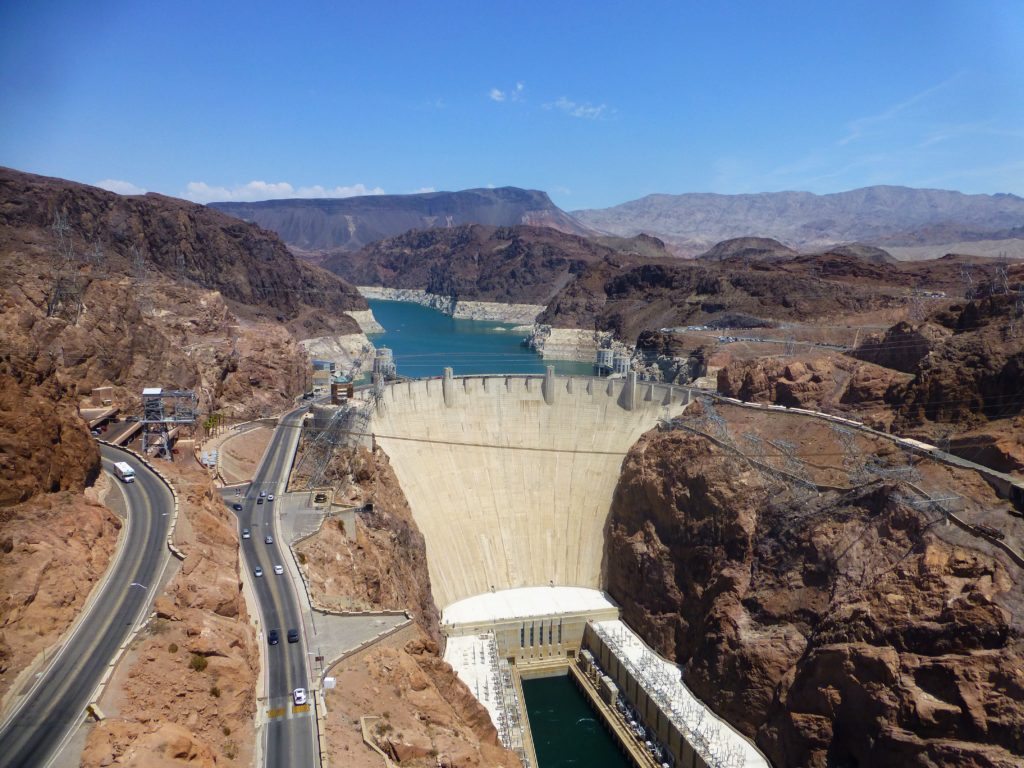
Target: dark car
[
  {"x": 273, "y": 638},
  {"x": 259, "y": 500},
  {"x": 236, "y": 507},
  {"x": 293, "y": 635}
]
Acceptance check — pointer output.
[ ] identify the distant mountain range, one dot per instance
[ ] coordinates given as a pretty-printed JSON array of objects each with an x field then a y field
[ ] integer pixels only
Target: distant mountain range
[
  {"x": 347, "y": 224},
  {"x": 923, "y": 222},
  {"x": 880, "y": 215}
]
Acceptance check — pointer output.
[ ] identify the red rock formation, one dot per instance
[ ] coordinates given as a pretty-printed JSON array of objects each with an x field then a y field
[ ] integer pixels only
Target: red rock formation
[
  {"x": 837, "y": 629},
  {"x": 422, "y": 711},
  {"x": 386, "y": 566}
]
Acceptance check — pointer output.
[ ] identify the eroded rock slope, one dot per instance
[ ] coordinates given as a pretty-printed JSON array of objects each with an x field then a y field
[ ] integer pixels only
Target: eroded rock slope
[{"x": 840, "y": 628}]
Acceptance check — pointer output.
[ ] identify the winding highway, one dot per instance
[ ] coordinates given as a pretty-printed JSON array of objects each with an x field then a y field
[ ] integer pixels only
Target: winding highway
[
  {"x": 56, "y": 704},
  {"x": 291, "y": 737}
]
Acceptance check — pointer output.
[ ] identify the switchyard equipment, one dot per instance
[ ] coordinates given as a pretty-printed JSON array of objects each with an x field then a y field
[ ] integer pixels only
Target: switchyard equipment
[{"x": 165, "y": 411}]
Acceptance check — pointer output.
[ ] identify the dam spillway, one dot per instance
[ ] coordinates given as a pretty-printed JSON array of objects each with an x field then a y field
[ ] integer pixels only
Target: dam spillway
[{"x": 510, "y": 478}]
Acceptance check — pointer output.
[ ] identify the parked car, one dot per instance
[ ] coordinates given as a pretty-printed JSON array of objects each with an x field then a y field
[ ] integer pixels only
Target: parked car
[
  {"x": 246, "y": 533},
  {"x": 273, "y": 638},
  {"x": 299, "y": 696},
  {"x": 293, "y": 635}
]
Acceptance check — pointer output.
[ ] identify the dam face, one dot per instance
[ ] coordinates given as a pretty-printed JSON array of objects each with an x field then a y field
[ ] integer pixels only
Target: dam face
[{"x": 510, "y": 478}]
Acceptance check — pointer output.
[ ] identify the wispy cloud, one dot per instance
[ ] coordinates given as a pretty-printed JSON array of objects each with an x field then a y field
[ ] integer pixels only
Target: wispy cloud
[
  {"x": 584, "y": 110},
  {"x": 424, "y": 190},
  {"x": 862, "y": 126},
  {"x": 120, "y": 186},
  {"x": 513, "y": 94},
  {"x": 201, "y": 192}
]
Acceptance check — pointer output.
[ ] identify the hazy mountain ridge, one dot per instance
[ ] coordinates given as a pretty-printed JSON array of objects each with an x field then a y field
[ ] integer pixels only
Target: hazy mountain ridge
[
  {"x": 879, "y": 215},
  {"x": 348, "y": 224}
]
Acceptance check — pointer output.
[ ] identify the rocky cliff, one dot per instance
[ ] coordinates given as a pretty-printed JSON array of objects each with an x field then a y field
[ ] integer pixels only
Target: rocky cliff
[
  {"x": 834, "y": 628},
  {"x": 105, "y": 290},
  {"x": 385, "y": 566},
  {"x": 348, "y": 224},
  {"x": 517, "y": 265},
  {"x": 418, "y": 711},
  {"x": 117, "y": 235}
]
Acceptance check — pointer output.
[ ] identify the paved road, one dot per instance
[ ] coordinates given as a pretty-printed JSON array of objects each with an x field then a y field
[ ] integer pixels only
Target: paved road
[
  {"x": 58, "y": 700},
  {"x": 291, "y": 732}
]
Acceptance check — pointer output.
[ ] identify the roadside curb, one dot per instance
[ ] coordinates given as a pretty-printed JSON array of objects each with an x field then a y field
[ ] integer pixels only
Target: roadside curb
[
  {"x": 93, "y": 706},
  {"x": 170, "y": 486}
]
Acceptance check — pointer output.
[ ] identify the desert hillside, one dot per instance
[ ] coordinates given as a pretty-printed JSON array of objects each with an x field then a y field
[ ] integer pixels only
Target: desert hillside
[
  {"x": 483, "y": 263},
  {"x": 879, "y": 215}
]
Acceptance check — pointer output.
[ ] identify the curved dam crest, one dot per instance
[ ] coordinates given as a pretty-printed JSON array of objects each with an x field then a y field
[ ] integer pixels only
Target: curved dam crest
[{"x": 510, "y": 478}]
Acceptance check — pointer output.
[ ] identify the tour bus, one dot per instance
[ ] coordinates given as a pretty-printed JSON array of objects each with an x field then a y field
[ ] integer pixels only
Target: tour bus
[{"x": 125, "y": 472}]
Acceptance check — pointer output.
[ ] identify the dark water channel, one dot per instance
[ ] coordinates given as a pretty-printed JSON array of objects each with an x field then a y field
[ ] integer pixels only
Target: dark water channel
[{"x": 566, "y": 731}]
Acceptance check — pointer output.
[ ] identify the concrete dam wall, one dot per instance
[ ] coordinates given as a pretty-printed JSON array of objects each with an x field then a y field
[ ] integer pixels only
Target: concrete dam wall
[{"x": 510, "y": 478}]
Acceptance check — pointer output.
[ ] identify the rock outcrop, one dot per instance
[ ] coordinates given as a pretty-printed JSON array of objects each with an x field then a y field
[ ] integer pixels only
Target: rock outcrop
[
  {"x": 748, "y": 249},
  {"x": 418, "y": 710},
  {"x": 510, "y": 265},
  {"x": 385, "y": 566},
  {"x": 53, "y": 549},
  {"x": 834, "y": 629}
]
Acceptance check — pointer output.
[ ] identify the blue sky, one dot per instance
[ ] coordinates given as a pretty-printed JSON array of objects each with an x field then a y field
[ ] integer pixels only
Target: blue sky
[{"x": 596, "y": 103}]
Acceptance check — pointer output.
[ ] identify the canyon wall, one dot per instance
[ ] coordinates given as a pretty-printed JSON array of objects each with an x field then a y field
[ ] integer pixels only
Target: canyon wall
[{"x": 840, "y": 628}]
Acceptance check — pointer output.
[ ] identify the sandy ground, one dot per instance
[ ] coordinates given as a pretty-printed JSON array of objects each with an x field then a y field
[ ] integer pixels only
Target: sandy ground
[{"x": 240, "y": 454}]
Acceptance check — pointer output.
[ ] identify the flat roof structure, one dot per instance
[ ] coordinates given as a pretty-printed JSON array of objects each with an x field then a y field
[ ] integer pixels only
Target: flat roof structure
[
  {"x": 526, "y": 603},
  {"x": 715, "y": 740}
]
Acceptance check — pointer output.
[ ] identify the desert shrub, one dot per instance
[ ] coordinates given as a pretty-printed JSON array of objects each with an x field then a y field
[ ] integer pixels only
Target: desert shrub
[{"x": 198, "y": 663}]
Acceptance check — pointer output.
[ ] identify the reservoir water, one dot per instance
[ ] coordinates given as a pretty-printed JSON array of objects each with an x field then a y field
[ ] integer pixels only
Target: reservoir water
[
  {"x": 425, "y": 341},
  {"x": 566, "y": 731}
]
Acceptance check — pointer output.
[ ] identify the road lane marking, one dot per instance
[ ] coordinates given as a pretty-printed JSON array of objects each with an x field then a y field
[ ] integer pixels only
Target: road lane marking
[{"x": 277, "y": 712}]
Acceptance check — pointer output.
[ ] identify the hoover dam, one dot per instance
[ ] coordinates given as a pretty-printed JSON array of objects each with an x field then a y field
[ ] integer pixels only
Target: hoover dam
[{"x": 510, "y": 478}]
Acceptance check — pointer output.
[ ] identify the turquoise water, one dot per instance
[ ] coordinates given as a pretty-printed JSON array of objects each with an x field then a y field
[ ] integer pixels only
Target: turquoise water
[
  {"x": 425, "y": 341},
  {"x": 566, "y": 731}
]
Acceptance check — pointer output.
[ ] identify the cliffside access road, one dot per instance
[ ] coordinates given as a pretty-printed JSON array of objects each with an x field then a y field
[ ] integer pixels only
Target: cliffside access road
[
  {"x": 57, "y": 702},
  {"x": 291, "y": 739}
]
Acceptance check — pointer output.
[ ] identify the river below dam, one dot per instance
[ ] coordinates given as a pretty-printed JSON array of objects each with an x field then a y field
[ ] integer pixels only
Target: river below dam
[
  {"x": 424, "y": 341},
  {"x": 566, "y": 731}
]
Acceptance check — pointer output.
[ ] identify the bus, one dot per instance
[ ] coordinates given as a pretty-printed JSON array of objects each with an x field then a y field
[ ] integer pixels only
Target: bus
[{"x": 124, "y": 471}]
